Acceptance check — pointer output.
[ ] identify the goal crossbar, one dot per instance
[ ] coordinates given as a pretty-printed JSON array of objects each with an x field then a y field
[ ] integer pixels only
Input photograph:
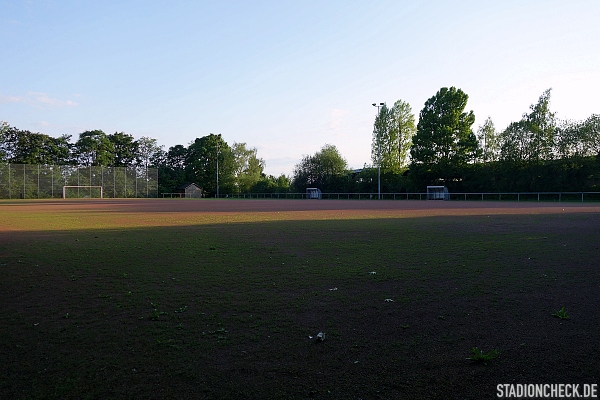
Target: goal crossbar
[{"x": 82, "y": 187}]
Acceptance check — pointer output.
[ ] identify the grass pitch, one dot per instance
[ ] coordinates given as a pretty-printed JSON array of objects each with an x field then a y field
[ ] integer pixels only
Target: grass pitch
[{"x": 112, "y": 301}]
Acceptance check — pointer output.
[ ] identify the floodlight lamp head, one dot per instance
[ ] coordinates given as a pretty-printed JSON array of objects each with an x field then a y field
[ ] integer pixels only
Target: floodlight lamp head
[
  {"x": 382, "y": 104},
  {"x": 374, "y": 104}
]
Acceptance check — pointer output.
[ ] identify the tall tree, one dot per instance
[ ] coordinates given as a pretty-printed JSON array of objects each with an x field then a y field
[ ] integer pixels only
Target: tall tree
[
  {"x": 272, "y": 184},
  {"x": 147, "y": 149},
  {"x": 171, "y": 168},
  {"x": 541, "y": 123},
  {"x": 578, "y": 139},
  {"x": 203, "y": 157},
  {"x": 24, "y": 147},
  {"x": 61, "y": 149},
  {"x": 392, "y": 137},
  {"x": 404, "y": 129},
  {"x": 530, "y": 141},
  {"x": 444, "y": 141},
  {"x": 125, "y": 149},
  {"x": 383, "y": 146},
  {"x": 591, "y": 135},
  {"x": 489, "y": 141},
  {"x": 3, "y": 129},
  {"x": 94, "y": 148},
  {"x": 325, "y": 170},
  {"x": 176, "y": 157},
  {"x": 248, "y": 168},
  {"x": 515, "y": 143}
]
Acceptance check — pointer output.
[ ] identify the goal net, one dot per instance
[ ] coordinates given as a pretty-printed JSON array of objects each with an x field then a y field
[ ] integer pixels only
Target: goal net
[{"x": 78, "y": 192}]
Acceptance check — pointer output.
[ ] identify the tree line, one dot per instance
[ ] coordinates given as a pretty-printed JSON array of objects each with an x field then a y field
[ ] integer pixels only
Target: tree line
[
  {"x": 536, "y": 153},
  {"x": 240, "y": 169}
]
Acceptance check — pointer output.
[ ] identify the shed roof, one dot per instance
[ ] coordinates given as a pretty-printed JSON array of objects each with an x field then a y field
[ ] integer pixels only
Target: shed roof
[{"x": 187, "y": 185}]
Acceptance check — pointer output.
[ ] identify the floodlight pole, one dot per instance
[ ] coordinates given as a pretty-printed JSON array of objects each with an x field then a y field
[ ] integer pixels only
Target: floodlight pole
[
  {"x": 378, "y": 155},
  {"x": 217, "y": 169}
]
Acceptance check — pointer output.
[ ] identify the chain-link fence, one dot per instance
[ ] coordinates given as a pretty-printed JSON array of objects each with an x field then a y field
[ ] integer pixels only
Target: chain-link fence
[{"x": 47, "y": 181}]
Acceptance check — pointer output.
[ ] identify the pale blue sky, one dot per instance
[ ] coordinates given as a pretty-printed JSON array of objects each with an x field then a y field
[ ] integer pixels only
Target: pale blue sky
[{"x": 287, "y": 77}]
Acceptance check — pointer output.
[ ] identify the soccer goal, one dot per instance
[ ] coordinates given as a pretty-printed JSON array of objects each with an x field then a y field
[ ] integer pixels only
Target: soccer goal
[{"x": 83, "y": 191}]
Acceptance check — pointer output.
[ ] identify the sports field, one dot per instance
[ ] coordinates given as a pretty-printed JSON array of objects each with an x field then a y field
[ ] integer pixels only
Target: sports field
[{"x": 216, "y": 299}]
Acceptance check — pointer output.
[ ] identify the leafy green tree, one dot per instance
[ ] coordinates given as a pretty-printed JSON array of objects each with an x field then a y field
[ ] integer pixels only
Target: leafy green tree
[
  {"x": 61, "y": 149},
  {"x": 248, "y": 168},
  {"x": 530, "y": 141},
  {"x": 403, "y": 129},
  {"x": 578, "y": 139},
  {"x": 203, "y": 156},
  {"x": 272, "y": 184},
  {"x": 147, "y": 149},
  {"x": 24, "y": 147},
  {"x": 590, "y": 135},
  {"x": 515, "y": 143},
  {"x": 94, "y": 148},
  {"x": 176, "y": 157},
  {"x": 171, "y": 168},
  {"x": 392, "y": 137},
  {"x": 528, "y": 146},
  {"x": 541, "y": 123},
  {"x": 444, "y": 141},
  {"x": 444, "y": 134},
  {"x": 125, "y": 149},
  {"x": 326, "y": 169},
  {"x": 489, "y": 141},
  {"x": 383, "y": 146},
  {"x": 3, "y": 153}
]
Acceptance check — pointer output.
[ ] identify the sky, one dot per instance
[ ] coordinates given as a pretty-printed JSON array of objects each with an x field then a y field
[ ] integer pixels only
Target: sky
[{"x": 287, "y": 77}]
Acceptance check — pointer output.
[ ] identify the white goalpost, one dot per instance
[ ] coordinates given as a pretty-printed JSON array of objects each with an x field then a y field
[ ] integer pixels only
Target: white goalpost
[{"x": 90, "y": 188}]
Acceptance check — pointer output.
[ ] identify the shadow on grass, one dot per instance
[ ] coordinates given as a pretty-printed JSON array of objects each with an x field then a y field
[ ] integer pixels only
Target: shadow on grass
[{"x": 227, "y": 310}]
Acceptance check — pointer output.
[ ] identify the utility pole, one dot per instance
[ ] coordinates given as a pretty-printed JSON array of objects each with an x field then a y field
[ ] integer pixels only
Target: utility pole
[
  {"x": 378, "y": 155},
  {"x": 217, "y": 169}
]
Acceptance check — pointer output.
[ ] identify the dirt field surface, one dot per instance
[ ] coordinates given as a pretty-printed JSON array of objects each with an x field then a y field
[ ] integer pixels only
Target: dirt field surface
[
  {"x": 172, "y": 212},
  {"x": 257, "y": 205},
  {"x": 223, "y": 299}
]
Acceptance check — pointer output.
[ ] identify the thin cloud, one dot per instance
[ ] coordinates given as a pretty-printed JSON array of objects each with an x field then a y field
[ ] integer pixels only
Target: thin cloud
[
  {"x": 10, "y": 99},
  {"x": 38, "y": 99},
  {"x": 44, "y": 99}
]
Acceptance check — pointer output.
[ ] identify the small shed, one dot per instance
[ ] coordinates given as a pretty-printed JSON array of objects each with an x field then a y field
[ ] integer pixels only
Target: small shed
[
  {"x": 189, "y": 190},
  {"x": 437, "y": 193}
]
